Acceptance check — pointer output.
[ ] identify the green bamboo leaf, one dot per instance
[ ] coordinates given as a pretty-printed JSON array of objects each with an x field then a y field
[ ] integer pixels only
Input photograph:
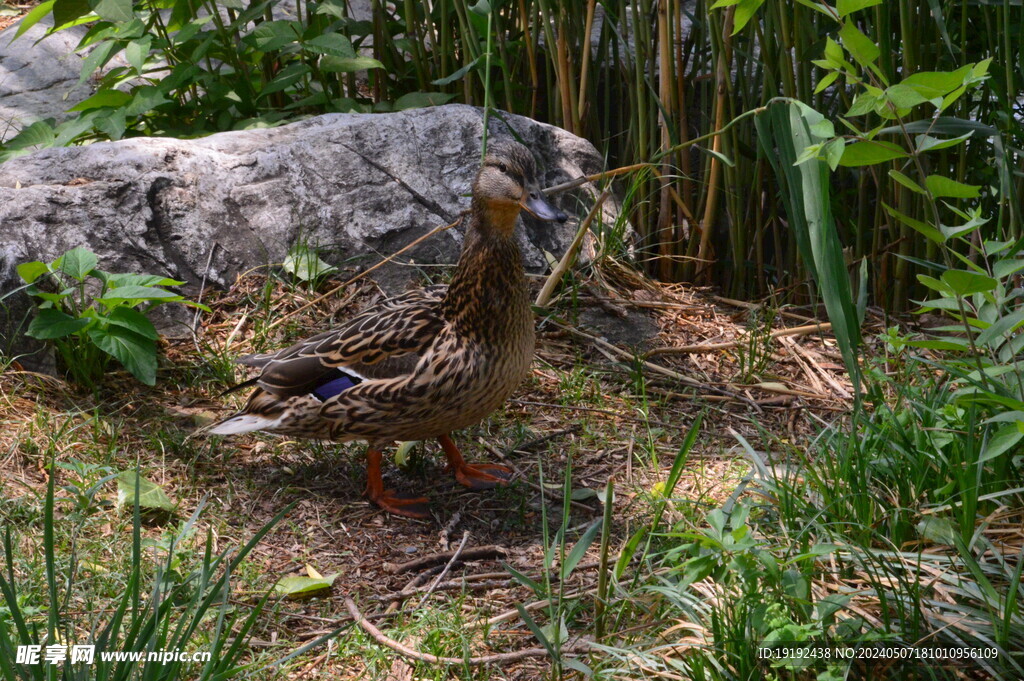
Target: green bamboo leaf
[
  {"x": 579, "y": 549},
  {"x": 745, "y": 11},
  {"x": 34, "y": 16},
  {"x": 917, "y": 225},
  {"x": 906, "y": 181},
  {"x": 826, "y": 81},
  {"x": 1001, "y": 330},
  {"x": 941, "y": 186},
  {"x": 458, "y": 74},
  {"x": 928, "y": 143},
  {"x": 844, "y": 7}
]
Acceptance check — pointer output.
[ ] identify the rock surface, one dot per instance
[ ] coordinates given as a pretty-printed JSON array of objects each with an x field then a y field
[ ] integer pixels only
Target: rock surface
[
  {"x": 356, "y": 186},
  {"x": 38, "y": 76}
]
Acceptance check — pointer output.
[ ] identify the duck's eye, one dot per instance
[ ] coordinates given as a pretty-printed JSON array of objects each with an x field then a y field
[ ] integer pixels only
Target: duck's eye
[{"x": 502, "y": 167}]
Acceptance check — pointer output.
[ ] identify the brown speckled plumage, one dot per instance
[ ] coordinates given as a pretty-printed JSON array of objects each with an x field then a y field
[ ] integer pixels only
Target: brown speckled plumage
[{"x": 425, "y": 363}]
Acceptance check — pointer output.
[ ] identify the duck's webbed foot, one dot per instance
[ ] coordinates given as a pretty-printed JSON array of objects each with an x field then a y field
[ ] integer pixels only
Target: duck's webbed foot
[
  {"x": 479, "y": 476},
  {"x": 385, "y": 499}
]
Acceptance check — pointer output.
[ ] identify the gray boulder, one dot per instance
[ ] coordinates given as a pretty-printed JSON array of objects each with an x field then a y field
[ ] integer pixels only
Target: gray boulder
[
  {"x": 356, "y": 186},
  {"x": 38, "y": 76}
]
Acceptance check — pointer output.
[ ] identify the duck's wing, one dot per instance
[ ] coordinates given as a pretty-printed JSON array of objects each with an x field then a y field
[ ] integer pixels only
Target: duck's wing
[{"x": 376, "y": 343}]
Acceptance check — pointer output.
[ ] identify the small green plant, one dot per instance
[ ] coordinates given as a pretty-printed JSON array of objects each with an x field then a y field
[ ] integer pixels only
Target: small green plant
[
  {"x": 187, "y": 609},
  {"x": 92, "y": 316},
  {"x": 304, "y": 264}
]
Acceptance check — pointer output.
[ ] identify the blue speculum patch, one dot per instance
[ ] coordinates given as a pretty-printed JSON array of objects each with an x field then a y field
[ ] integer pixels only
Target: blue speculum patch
[{"x": 335, "y": 386}]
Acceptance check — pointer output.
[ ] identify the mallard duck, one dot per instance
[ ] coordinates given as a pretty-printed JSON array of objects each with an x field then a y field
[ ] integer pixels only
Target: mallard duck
[{"x": 423, "y": 364}]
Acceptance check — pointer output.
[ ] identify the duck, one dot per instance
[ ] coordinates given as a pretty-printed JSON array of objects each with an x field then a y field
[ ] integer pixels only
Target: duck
[{"x": 426, "y": 363}]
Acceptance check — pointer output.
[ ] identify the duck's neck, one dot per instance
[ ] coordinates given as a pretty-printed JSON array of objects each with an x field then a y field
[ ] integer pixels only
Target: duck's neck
[{"x": 487, "y": 297}]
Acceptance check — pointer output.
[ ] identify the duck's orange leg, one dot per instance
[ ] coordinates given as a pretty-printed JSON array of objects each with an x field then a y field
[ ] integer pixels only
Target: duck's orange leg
[
  {"x": 474, "y": 476},
  {"x": 410, "y": 507}
]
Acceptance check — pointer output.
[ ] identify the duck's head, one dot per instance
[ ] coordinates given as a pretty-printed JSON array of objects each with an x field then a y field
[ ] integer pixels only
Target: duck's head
[{"x": 507, "y": 184}]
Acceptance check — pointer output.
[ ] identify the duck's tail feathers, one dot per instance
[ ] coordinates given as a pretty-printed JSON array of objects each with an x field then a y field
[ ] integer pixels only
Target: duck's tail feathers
[
  {"x": 242, "y": 423},
  {"x": 240, "y": 386}
]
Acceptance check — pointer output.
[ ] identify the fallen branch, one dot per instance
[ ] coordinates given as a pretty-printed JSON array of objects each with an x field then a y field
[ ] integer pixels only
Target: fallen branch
[
  {"x": 447, "y": 567},
  {"x": 405, "y": 650},
  {"x": 569, "y": 257},
  {"x": 477, "y": 553}
]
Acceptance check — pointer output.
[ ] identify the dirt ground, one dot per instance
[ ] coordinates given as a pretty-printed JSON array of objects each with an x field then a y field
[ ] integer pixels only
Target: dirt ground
[{"x": 615, "y": 404}]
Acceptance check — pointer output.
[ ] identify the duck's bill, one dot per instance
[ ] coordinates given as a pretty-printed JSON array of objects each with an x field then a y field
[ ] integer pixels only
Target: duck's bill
[{"x": 542, "y": 209}]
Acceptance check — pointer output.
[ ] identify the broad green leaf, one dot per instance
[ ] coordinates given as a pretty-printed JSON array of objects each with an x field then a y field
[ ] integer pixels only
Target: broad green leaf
[
  {"x": 137, "y": 353},
  {"x": 937, "y": 530},
  {"x": 416, "y": 100},
  {"x": 286, "y": 78},
  {"x": 133, "y": 320},
  {"x": 333, "y": 44},
  {"x": 304, "y": 587},
  {"x": 860, "y": 47},
  {"x": 30, "y": 271},
  {"x": 941, "y": 186},
  {"x": 833, "y": 152},
  {"x": 137, "y": 293},
  {"x": 1003, "y": 440},
  {"x": 273, "y": 35},
  {"x": 50, "y": 323},
  {"x": 96, "y": 59},
  {"x": 304, "y": 264},
  {"x": 101, "y": 99},
  {"x": 903, "y": 96},
  {"x": 136, "y": 52},
  {"x": 864, "y": 103},
  {"x": 906, "y": 181},
  {"x": 333, "y": 64},
  {"x": 965, "y": 283},
  {"x": 119, "y": 279},
  {"x": 1004, "y": 268},
  {"x": 151, "y": 496},
  {"x": 537, "y": 631},
  {"x": 76, "y": 263},
  {"x": 844, "y": 7},
  {"x": 866, "y": 153},
  {"x": 115, "y": 10},
  {"x": 66, "y": 11},
  {"x": 145, "y": 99},
  {"x": 932, "y": 84}
]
